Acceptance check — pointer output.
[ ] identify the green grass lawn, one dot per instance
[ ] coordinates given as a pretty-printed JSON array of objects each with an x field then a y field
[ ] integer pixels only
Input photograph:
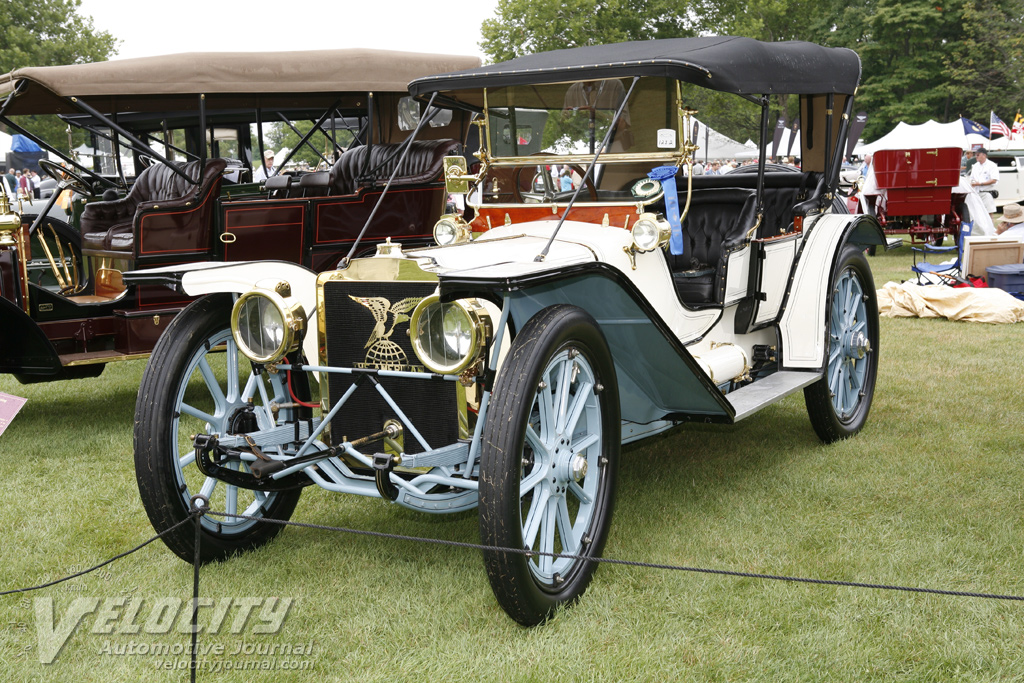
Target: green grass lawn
[{"x": 928, "y": 495}]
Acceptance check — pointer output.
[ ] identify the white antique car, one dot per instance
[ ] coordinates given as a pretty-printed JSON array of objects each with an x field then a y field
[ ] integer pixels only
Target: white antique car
[{"x": 504, "y": 368}]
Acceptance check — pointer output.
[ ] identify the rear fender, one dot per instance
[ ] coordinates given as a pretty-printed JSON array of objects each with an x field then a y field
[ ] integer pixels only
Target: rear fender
[{"x": 803, "y": 321}]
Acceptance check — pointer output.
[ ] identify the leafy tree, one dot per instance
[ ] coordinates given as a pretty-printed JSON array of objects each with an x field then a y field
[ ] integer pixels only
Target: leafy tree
[
  {"x": 921, "y": 59},
  {"x": 49, "y": 33},
  {"x": 523, "y": 27},
  {"x": 984, "y": 67}
]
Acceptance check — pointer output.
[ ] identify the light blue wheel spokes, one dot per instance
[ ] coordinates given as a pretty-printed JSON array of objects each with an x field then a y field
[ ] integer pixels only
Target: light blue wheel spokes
[
  {"x": 562, "y": 465},
  {"x": 849, "y": 344},
  {"x": 210, "y": 393}
]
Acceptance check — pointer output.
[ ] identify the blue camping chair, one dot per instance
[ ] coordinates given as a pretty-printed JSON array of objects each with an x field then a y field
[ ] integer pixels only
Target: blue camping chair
[{"x": 949, "y": 272}]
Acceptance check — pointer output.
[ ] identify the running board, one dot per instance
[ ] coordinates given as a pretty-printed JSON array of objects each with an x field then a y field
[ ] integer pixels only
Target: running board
[{"x": 776, "y": 387}]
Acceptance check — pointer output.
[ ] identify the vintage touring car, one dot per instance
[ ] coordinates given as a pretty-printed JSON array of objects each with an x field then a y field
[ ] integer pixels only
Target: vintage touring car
[
  {"x": 65, "y": 309},
  {"x": 504, "y": 368}
]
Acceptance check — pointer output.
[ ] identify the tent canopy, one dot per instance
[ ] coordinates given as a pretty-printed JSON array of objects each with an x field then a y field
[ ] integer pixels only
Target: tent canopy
[{"x": 928, "y": 135}]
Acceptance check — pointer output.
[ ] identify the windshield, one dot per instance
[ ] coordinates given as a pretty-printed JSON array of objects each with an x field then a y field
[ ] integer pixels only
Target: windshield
[
  {"x": 573, "y": 118},
  {"x": 540, "y": 139}
]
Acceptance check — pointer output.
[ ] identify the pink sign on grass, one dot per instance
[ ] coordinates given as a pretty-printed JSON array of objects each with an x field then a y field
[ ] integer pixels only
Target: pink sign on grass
[{"x": 9, "y": 407}]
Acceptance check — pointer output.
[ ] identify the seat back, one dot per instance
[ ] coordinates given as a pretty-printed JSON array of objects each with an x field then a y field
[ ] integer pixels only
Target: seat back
[
  {"x": 277, "y": 186},
  {"x": 316, "y": 184},
  {"x": 718, "y": 220},
  {"x": 422, "y": 164}
]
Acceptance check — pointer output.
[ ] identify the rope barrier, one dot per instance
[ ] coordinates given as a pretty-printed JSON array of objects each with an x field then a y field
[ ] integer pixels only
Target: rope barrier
[
  {"x": 101, "y": 564},
  {"x": 199, "y": 507},
  {"x": 628, "y": 563}
]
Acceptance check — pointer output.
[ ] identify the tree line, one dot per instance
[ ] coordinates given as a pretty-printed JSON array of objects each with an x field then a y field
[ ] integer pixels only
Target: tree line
[{"x": 921, "y": 59}]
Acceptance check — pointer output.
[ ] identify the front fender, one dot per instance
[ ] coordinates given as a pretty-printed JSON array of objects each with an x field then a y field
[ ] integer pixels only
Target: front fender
[
  {"x": 24, "y": 349},
  {"x": 657, "y": 376},
  {"x": 199, "y": 279},
  {"x": 802, "y": 322}
]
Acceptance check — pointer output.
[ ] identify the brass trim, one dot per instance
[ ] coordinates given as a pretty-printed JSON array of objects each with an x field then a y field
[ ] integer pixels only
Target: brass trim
[
  {"x": 481, "y": 332},
  {"x": 107, "y": 359},
  {"x": 757, "y": 224},
  {"x": 224, "y": 237},
  {"x": 23, "y": 239},
  {"x": 292, "y": 315}
]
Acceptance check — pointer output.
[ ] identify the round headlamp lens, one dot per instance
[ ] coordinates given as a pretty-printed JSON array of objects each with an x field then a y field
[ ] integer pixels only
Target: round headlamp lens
[
  {"x": 265, "y": 326},
  {"x": 646, "y": 234},
  {"x": 451, "y": 229},
  {"x": 260, "y": 327},
  {"x": 445, "y": 232},
  {"x": 447, "y": 337}
]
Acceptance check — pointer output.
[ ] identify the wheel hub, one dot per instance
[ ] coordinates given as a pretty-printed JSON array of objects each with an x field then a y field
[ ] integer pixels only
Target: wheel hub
[
  {"x": 857, "y": 345},
  {"x": 566, "y": 464}
]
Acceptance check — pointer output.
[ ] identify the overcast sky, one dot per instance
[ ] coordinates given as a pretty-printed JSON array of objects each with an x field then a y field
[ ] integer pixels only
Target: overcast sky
[{"x": 146, "y": 29}]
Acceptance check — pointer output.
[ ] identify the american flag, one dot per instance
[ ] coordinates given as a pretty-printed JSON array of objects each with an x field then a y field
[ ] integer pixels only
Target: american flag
[{"x": 998, "y": 127}]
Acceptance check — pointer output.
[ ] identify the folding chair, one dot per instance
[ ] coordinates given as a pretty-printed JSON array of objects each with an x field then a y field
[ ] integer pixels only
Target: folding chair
[{"x": 944, "y": 272}]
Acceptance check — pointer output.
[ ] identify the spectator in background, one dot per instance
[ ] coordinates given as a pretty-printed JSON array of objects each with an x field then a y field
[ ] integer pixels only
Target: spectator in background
[
  {"x": 1012, "y": 219},
  {"x": 33, "y": 179},
  {"x": 24, "y": 191},
  {"x": 565, "y": 180},
  {"x": 10, "y": 184},
  {"x": 267, "y": 169},
  {"x": 984, "y": 176},
  {"x": 865, "y": 165},
  {"x": 969, "y": 161}
]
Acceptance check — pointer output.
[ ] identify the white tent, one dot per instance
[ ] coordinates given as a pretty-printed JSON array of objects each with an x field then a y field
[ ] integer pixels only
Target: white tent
[
  {"x": 715, "y": 145},
  {"x": 930, "y": 134}
]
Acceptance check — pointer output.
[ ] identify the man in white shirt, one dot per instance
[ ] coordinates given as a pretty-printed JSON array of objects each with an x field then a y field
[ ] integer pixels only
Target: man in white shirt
[
  {"x": 984, "y": 176},
  {"x": 267, "y": 169}
]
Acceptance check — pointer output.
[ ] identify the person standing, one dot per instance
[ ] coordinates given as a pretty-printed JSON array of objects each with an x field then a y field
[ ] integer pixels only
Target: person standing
[
  {"x": 24, "y": 190},
  {"x": 10, "y": 184},
  {"x": 565, "y": 181},
  {"x": 969, "y": 161},
  {"x": 984, "y": 176},
  {"x": 267, "y": 169}
]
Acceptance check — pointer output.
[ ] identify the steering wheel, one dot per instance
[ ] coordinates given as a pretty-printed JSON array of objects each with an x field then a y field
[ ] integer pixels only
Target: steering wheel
[
  {"x": 518, "y": 193},
  {"x": 66, "y": 176}
]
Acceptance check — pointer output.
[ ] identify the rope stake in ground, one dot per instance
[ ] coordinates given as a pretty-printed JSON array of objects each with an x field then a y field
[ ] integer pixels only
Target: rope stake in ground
[
  {"x": 199, "y": 505},
  {"x": 628, "y": 563}
]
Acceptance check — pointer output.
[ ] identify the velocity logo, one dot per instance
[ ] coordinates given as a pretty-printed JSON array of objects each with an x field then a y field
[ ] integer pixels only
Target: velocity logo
[{"x": 132, "y": 616}]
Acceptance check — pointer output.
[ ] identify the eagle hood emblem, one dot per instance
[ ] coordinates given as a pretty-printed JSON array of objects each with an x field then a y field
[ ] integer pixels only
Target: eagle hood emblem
[{"x": 382, "y": 353}]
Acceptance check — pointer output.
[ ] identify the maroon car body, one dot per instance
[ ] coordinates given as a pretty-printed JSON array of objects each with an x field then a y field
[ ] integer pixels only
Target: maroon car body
[{"x": 65, "y": 309}]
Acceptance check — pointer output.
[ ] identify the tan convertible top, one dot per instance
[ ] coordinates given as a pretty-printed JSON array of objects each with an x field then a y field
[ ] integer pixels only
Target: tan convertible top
[{"x": 148, "y": 83}]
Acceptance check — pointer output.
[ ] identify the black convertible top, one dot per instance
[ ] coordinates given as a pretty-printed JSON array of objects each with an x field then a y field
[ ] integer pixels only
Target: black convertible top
[{"x": 730, "y": 64}]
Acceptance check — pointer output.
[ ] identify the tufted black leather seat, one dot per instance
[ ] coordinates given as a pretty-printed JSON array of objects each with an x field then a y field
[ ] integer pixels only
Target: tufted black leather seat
[
  {"x": 716, "y": 224},
  {"x": 108, "y": 228},
  {"x": 422, "y": 164}
]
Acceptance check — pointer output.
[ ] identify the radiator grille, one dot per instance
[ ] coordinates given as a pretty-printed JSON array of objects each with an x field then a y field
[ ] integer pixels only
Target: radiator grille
[{"x": 367, "y": 326}]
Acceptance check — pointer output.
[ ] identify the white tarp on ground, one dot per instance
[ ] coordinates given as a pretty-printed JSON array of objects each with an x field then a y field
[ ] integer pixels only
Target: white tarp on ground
[
  {"x": 981, "y": 305},
  {"x": 928, "y": 135}
]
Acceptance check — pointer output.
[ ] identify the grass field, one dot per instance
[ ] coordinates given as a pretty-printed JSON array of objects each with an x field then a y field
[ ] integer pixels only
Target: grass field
[{"x": 928, "y": 495}]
